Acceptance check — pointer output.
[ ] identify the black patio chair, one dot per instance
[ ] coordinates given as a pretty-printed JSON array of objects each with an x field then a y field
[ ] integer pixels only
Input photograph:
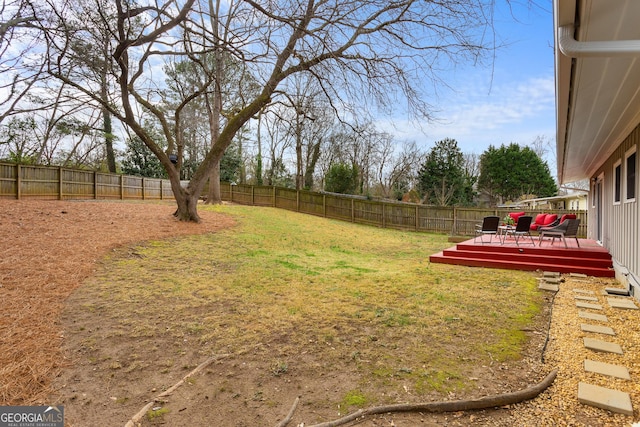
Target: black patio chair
[
  {"x": 568, "y": 228},
  {"x": 521, "y": 229},
  {"x": 488, "y": 227}
]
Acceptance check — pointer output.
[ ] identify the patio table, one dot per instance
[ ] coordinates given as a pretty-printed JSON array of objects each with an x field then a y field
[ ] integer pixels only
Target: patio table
[{"x": 503, "y": 231}]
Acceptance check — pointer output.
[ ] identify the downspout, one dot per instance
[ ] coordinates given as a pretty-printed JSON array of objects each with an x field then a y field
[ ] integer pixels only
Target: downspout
[{"x": 573, "y": 48}]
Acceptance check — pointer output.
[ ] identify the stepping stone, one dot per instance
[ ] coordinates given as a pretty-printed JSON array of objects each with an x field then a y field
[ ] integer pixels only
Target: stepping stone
[
  {"x": 550, "y": 274},
  {"x": 584, "y": 298},
  {"x": 583, "y": 291},
  {"x": 603, "y": 346},
  {"x": 584, "y": 276},
  {"x": 607, "y": 369},
  {"x": 605, "y": 398},
  {"x": 597, "y": 329},
  {"x": 588, "y": 305},
  {"x": 593, "y": 316},
  {"x": 546, "y": 287},
  {"x": 617, "y": 291},
  {"x": 622, "y": 303},
  {"x": 552, "y": 280}
]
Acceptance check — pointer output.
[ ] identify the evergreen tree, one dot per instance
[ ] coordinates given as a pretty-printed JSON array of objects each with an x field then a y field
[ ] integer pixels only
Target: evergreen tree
[
  {"x": 341, "y": 178},
  {"x": 442, "y": 179},
  {"x": 140, "y": 161},
  {"x": 510, "y": 172}
]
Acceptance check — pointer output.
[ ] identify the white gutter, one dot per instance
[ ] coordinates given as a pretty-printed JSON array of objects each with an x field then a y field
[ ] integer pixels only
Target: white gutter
[{"x": 572, "y": 48}]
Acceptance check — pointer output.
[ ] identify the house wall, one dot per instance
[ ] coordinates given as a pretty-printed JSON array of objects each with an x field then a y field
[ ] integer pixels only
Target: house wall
[{"x": 620, "y": 230}]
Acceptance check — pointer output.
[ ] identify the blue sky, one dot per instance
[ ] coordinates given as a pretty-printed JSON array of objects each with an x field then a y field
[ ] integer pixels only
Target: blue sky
[{"x": 511, "y": 101}]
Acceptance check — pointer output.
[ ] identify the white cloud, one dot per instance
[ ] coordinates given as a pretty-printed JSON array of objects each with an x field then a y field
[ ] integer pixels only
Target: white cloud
[{"x": 515, "y": 111}]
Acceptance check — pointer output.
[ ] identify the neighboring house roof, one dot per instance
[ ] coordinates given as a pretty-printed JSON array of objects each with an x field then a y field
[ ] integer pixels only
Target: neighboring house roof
[
  {"x": 540, "y": 200},
  {"x": 597, "y": 81}
]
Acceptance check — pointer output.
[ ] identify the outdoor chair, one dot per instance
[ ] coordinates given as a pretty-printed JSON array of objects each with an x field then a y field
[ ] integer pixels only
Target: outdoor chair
[
  {"x": 488, "y": 227},
  {"x": 568, "y": 228},
  {"x": 516, "y": 215},
  {"x": 521, "y": 229}
]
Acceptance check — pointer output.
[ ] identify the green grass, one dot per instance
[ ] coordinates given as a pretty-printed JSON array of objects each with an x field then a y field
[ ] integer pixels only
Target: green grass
[{"x": 370, "y": 295}]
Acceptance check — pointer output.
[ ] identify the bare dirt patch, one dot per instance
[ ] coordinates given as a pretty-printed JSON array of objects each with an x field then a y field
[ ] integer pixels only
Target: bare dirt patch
[
  {"x": 48, "y": 249},
  {"x": 53, "y": 247}
]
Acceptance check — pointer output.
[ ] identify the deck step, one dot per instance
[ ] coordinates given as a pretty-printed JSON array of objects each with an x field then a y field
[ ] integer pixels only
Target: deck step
[
  {"x": 530, "y": 258},
  {"x": 578, "y": 261},
  {"x": 519, "y": 265}
]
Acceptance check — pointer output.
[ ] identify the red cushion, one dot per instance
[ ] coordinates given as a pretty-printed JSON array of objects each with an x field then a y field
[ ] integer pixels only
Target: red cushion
[
  {"x": 539, "y": 221},
  {"x": 567, "y": 216},
  {"x": 540, "y": 218},
  {"x": 549, "y": 219},
  {"x": 516, "y": 215}
]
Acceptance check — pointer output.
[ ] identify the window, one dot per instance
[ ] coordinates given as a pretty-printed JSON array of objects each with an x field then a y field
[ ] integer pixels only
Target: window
[
  {"x": 630, "y": 177},
  {"x": 617, "y": 184}
]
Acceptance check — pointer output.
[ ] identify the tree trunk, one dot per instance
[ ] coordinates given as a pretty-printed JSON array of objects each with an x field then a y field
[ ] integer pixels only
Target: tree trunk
[
  {"x": 108, "y": 140},
  {"x": 186, "y": 199},
  {"x": 106, "y": 115},
  {"x": 311, "y": 166},
  {"x": 214, "y": 195},
  {"x": 299, "y": 177},
  {"x": 187, "y": 207}
]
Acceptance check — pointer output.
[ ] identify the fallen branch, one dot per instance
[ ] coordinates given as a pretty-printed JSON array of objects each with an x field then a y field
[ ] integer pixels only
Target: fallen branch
[
  {"x": 444, "y": 406},
  {"x": 287, "y": 419},
  {"x": 137, "y": 417}
]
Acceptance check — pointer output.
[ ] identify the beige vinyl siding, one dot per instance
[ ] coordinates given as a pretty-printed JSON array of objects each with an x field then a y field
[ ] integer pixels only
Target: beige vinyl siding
[{"x": 620, "y": 229}]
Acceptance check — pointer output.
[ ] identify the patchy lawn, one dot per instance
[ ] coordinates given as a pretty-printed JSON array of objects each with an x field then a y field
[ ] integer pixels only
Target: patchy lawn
[{"x": 343, "y": 316}]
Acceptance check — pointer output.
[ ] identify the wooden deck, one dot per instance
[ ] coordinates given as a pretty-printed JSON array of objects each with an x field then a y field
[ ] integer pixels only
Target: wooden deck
[{"x": 590, "y": 258}]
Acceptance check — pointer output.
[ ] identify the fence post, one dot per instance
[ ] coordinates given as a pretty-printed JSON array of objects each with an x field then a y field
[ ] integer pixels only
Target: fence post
[
  {"x": 143, "y": 188},
  {"x": 95, "y": 185},
  {"x": 121, "y": 187},
  {"x": 417, "y": 217},
  {"x": 18, "y": 182},
  {"x": 253, "y": 195},
  {"x": 60, "y": 183},
  {"x": 324, "y": 205},
  {"x": 454, "y": 225},
  {"x": 297, "y": 200},
  {"x": 353, "y": 211},
  {"x": 384, "y": 220}
]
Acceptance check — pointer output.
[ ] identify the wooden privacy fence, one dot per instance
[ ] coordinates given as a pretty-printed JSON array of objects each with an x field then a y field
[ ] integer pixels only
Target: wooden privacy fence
[
  {"x": 403, "y": 216},
  {"x": 44, "y": 182}
]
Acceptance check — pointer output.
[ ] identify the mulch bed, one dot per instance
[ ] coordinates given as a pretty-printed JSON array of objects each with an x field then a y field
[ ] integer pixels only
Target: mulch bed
[{"x": 48, "y": 249}]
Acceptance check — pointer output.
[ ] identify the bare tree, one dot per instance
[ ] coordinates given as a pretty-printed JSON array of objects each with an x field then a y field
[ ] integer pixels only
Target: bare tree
[
  {"x": 377, "y": 50},
  {"x": 19, "y": 71},
  {"x": 306, "y": 116},
  {"x": 276, "y": 125},
  {"x": 397, "y": 166}
]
